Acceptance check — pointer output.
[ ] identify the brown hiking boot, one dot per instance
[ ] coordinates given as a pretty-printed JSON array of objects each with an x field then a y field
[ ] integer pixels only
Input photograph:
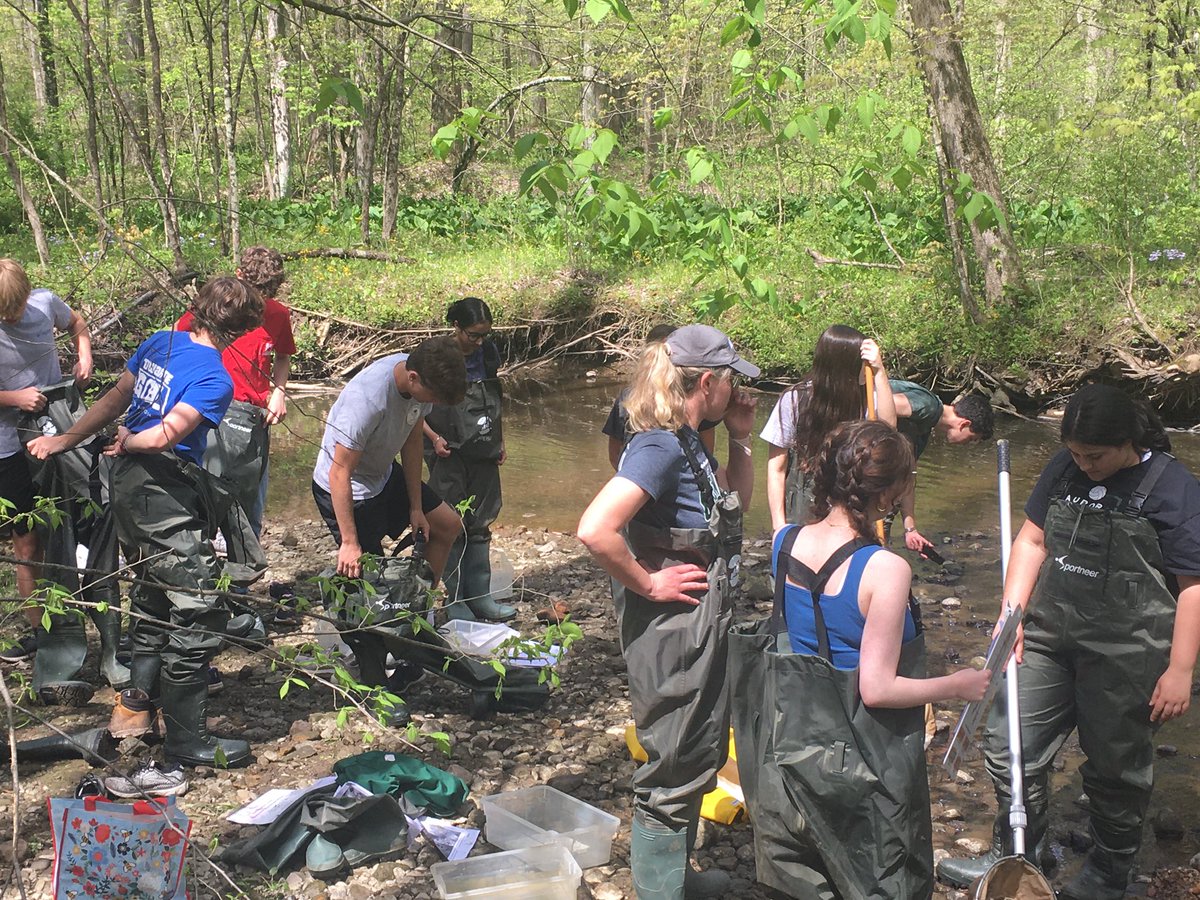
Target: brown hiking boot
[{"x": 133, "y": 714}]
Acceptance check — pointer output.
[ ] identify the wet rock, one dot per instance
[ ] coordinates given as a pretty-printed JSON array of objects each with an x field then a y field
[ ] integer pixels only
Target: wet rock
[
  {"x": 607, "y": 892},
  {"x": 1167, "y": 824},
  {"x": 951, "y": 603},
  {"x": 567, "y": 782},
  {"x": 952, "y": 814},
  {"x": 962, "y": 776},
  {"x": 973, "y": 846},
  {"x": 1168, "y": 750}
]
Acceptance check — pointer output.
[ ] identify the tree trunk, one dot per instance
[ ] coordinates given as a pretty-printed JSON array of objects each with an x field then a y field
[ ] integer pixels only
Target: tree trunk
[
  {"x": 235, "y": 225},
  {"x": 1003, "y": 63},
  {"x": 446, "y": 98},
  {"x": 281, "y": 136},
  {"x": 589, "y": 101},
  {"x": 394, "y": 131},
  {"x": 170, "y": 215},
  {"x": 88, "y": 84},
  {"x": 14, "y": 173},
  {"x": 134, "y": 47},
  {"x": 368, "y": 133},
  {"x": 958, "y": 250},
  {"x": 964, "y": 141},
  {"x": 538, "y": 62},
  {"x": 46, "y": 51}
]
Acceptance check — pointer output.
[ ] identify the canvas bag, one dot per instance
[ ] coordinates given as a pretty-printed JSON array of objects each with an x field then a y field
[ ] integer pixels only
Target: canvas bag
[{"x": 107, "y": 846}]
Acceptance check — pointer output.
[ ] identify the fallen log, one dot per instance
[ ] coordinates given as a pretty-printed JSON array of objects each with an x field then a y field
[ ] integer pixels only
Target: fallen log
[{"x": 347, "y": 253}]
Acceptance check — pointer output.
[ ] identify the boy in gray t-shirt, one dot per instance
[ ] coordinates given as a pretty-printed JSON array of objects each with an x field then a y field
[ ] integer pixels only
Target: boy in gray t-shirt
[
  {"x": 28, "y": 361},
  {"x": 362, "y": 493}
]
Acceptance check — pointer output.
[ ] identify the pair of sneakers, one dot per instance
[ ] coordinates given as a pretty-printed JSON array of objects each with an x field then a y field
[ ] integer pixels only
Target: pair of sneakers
[{"x": 149, "y": 780}]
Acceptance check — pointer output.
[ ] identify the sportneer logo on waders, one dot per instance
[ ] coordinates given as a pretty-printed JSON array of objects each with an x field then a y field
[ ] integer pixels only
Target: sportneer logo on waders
[{"x": 1072, "y": 569}]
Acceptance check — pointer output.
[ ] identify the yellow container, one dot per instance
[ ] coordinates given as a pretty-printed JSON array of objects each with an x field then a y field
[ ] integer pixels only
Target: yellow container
[{"x": 724, "y": 803}]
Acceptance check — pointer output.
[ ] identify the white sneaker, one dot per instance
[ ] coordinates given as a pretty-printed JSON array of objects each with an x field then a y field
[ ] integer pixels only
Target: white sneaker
[{"x": 148, "y": 780}]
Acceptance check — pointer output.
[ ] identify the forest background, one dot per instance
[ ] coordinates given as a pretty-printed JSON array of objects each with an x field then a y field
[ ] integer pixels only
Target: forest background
[{"x": 1003, "y": 193}]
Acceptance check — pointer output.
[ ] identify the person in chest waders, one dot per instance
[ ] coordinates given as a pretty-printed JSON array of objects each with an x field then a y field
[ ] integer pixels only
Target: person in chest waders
[
  {"x": 668, "y": 529},
  {"x": 464, "y": 449},
  {"x": 805, "y": 414},
  {"x": 1107, "y": 568},
  {"x": 845, "y": 720},
  {"x": 166, "y": 507}
]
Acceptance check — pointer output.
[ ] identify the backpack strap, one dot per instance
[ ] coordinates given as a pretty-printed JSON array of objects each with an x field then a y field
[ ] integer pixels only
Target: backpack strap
[{"x": 704, "y": 477}]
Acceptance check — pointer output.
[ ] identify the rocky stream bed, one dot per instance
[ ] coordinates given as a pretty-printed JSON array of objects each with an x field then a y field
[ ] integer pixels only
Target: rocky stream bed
[{"x": 575, "y": 742}]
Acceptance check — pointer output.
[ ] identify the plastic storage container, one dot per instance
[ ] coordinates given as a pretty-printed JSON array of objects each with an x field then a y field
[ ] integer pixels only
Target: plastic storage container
[
  {"x": 533, "y": 873},
  {"x": 476, "y": 638},
  {"x": 503, "y": 575},
  {"x": 541, "y": 815}
]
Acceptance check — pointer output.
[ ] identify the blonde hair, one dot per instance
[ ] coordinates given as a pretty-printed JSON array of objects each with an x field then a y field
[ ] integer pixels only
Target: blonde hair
[
  {"x": 659, "y": 390},
  {"x": 14, "y": 289}
]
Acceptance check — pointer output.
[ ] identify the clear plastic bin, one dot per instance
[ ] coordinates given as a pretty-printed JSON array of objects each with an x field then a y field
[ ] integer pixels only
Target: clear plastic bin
[
  {"x": 476, "y": 638},
  {"x": 540, "y": 815},
  {"x": 532, "y": 873}
]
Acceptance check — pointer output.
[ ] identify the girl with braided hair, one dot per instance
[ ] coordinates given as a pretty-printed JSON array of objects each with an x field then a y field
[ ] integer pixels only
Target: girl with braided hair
[{"x": 833, "y": 737}]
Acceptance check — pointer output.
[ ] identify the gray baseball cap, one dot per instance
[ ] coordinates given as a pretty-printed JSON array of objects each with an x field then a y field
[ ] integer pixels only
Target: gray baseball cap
[{"x": 706, "y": 347}]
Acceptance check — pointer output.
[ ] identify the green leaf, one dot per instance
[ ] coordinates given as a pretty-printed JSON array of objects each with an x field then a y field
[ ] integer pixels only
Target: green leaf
[
  {"x": 756, "y": 10},
  {"x": 353, "y": 97},
  {"x": 886, "y": 6},
  {"x": 663, "y": 117},
  {"x": 856, "y": 31},
  {"x": 621, "y": 10},
  {"x": 284, "y": 688},
  {"x": 604, "y": 144},
  {"x": 808, "y": 127},
  {"x": 571, "y": 7},
  {"x": 974, "y": 207},
  {"x": 911, "y": 140},
  {"x": 880, "y": 26},
  {"x": 741, "y": 61},
  {"x": 866, "y": 109},
  {"x": 901, "y": 178},
  {"x": 342, "y": 716},
  {"x": 443, "y": 141},
  {"x": 597, "y": 10},
  {"x": 828, "y": 116},
  {"x": 740, "y": 265},
  {"x": 734, "y": 28},
  {"x": 761, "y": 117}
]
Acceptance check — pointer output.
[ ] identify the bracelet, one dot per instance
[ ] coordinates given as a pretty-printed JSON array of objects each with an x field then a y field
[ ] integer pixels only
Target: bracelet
[
  {"x": 745, "y": 446},
  {"x": 909, "y": 529}
]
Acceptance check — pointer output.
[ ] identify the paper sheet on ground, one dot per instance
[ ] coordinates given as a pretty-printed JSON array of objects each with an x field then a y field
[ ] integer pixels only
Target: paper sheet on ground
[
  {"x": 267, "y": 808},
  {"x": 452, "y": 841}
]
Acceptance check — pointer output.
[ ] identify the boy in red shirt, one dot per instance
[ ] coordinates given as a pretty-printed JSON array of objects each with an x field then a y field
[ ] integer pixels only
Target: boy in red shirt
[{"x": 259, "y": 363}]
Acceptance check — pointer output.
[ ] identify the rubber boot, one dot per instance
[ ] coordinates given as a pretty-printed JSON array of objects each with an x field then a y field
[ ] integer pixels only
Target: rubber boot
[
  {"x": 961, "y": 872},
  {"x": 94, "y": 745},
  {"x": 1104, "y": 876},
  {"x": 658, "y": 859},
  {"x": 702, "y": 885},
  {"x": 60, "y": 656},
  {"x": 185, "y": 704},
  {"x": 476, "y": 581},
  {"x": 108, "y": 623},
  {"x": 452, "y": 578}
]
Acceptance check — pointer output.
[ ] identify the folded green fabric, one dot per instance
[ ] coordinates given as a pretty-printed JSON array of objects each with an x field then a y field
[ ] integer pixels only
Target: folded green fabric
[{"x": 417, "y": 782}]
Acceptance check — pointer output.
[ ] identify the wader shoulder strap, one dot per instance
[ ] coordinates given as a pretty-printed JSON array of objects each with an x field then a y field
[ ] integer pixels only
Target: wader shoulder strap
[
  {"x": 704, "y": 477},
  {"x": 814, "y": 582},
  {"x": 1158, "y": 464}
]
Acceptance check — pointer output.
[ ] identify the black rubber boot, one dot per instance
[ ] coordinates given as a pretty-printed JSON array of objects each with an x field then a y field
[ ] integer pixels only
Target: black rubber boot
[
  {"x": 961, "y": 872},
  {"x": 94, "y": 745},
  {"x": 145, "y": 673},
  {"x": 1104, "y": 876},
  {"x": 60, "y": 656},
  {"x": 184, "y": 705},
  {"x": 108, "y": 623}
]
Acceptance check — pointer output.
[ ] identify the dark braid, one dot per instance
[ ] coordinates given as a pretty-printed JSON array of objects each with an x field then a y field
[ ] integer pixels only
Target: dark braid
[{"x": 859, "y": 463}]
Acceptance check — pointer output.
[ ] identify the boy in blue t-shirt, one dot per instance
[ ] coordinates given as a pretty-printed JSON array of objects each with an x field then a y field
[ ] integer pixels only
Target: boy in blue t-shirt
[{"x": 176, "y": 390}]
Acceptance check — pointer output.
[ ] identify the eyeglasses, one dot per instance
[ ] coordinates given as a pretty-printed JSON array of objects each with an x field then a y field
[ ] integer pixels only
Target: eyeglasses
[{"x": 476, "y": 337}]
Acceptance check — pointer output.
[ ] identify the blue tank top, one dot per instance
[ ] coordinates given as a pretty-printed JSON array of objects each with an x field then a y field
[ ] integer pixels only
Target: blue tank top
[{"x": 843, "y": 619}]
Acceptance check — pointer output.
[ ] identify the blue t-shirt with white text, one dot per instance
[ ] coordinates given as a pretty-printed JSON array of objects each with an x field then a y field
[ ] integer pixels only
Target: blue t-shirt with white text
[
  {"x": 169, "y": 368},
  {"x": 655, "y": 462}
]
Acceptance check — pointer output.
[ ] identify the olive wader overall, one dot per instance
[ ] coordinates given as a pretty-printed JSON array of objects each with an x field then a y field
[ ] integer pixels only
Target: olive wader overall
[
  {"x": 167, "y": 510},
  {"x": 237, "y": 451},
  {"x": 473, "y": 432},
  {"x": 837, "y": 791},
  {"x": 797, "y": 492},
  {"x": 1097, "y": 638},
  {"x": 76, "y": 480},
  {"x": 676, "y": 655}
]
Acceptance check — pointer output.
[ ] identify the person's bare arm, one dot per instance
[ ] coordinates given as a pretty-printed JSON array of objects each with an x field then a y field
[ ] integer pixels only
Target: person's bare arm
[
  {"x": 81, "y": 337},
  {"x": 886, "y": 581},
  {"x": 177, "y": 424},
  {"x": 412, "y": 459},
  {"x": 440, "y": 445},
  {"x": 600, "y": 531},
  {"x": 1028, "y": 554},
  {"x": 738, "y": 475},
  {"x": 777, "y": 465},
  {"x": 341, "y": 494},
  {"x": 1173, "y": 692},
  {"x": 281, "y": 371}
]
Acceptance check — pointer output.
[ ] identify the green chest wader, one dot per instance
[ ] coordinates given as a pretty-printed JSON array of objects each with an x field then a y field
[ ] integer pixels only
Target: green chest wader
[
  {"x": 77, "y": 480},
  {"x": 677, "y": 657},
  {"x": 837, "y": 792},
  {"x": 237, "y": 455},
  {"x": 1097, "y": 639},
  {"x": 473, "y": 431},
  {"x": 797, "y": 493}
]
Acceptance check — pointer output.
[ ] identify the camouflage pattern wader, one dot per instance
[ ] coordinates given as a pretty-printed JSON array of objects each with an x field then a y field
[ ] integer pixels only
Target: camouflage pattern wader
[
  {"x": 475, "y": 436},
  {"x": 837, "y": 791},
  {"x": 676, "y": 656},
  {"x": 1097, "y": 639},
  {"x": 77, "y": 480}
]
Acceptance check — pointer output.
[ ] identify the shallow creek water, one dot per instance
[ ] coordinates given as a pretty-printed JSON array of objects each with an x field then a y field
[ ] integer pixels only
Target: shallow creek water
[{"x": 558, "y": 460}]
